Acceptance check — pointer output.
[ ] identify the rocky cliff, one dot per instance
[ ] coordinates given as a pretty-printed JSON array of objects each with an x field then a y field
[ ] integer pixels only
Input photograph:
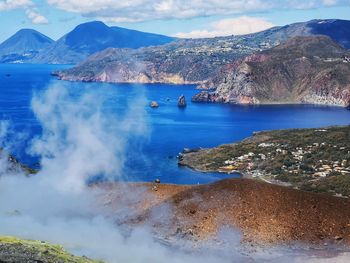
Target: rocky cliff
[
  {"x": 311, "y": 69},
  {"x": 181, "y": 62}
]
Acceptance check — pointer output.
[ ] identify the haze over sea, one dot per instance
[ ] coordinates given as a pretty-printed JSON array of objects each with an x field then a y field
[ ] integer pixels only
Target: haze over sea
[{"x": 170, "y": 129}]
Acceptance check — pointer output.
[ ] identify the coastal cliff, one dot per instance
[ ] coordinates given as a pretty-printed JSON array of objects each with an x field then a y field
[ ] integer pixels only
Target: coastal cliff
[
  {"x": 181, "y": 62},
  {"x": 312, "y": 70}
]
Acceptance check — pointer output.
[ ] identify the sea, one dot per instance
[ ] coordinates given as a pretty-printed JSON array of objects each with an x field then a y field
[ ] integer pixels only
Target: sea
[{"x": 168, "y": 128}]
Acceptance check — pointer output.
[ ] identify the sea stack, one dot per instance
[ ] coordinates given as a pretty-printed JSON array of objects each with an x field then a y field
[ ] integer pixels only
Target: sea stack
[
  {"x": 182, "y": 101},
  {"x": 154, "y": 104}
]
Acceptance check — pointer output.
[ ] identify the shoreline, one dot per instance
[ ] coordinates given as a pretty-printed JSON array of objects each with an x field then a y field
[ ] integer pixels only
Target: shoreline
[{"x": 283, "y": 157}]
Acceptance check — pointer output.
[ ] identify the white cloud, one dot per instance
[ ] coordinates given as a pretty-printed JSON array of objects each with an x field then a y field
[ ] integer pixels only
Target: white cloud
[
  {"x": 29, "y": 7},
  {"x": 143, "y": 10},
  {"x": 6, "y": 5},
  {"x": 35, "y": 17},
  {"x": 226, "y": 27},
  {"x": 330, "y": 2}
]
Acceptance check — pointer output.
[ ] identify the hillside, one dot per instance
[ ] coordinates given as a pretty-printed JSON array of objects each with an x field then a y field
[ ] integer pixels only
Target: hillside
[
  {"x": 194, "y": 61},
  {"x": 316, "y": 160},
  {"x": 92, "y": 37},
  {"x": 22, "y": 46},
  {"x": 14, "y": 250},
  {"x": 262, "y": 213},
  {"x": 312, "y": 70}
]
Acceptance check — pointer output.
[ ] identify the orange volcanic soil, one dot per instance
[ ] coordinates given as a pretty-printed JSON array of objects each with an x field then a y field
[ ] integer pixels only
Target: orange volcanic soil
[{"x": 263, "y": 213}]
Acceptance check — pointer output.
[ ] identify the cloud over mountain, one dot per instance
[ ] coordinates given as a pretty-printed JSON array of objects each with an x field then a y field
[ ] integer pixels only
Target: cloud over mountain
[
  {"x": 226, "y": 27},
  {"x": 36, "y": 18},
  {"x": 29, "y": 6},
  {"x": 6, "y": 5}
]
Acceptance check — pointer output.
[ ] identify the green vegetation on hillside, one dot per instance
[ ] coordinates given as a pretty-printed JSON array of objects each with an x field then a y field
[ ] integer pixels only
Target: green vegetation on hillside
[
  {"x": 315, "y": 160},
  {"x": 17, "y": 250}
]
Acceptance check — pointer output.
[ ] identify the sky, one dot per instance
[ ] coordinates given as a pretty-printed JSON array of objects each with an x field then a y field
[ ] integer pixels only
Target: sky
[{"x": 181, "y": 18}]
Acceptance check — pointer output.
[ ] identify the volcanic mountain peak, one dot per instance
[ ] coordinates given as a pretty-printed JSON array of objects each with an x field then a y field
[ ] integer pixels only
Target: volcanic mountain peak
[
  {"x": 23, "y": 42},
  {"x": 89, "y": 38}
]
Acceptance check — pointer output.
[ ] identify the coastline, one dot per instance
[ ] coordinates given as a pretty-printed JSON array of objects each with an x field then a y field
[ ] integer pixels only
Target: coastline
[
  {"x": 200, "y": 85},
  {"x": 283, "y": 157}
]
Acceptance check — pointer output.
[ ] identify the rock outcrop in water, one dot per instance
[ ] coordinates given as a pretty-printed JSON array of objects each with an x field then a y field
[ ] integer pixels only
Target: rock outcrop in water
[
  {"x": 182, "y": 102},
  {"x": 313, "y": 70},
  {"x": 154, "y": 104}
]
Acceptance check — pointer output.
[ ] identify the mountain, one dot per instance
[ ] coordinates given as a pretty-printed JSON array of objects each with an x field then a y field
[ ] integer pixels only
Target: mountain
[
  {"x": 23, "y": 45},
  {"x": 311, "y": 69},
  {"x": 194, "y": 61},
  {"x": 336, "y": 29},
  {"x": 89, "y": 38}
]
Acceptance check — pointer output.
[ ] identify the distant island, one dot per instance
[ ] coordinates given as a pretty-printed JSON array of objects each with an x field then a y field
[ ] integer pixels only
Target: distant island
[
  {"x": 291, "y": 64},
  {"x": 30, "y": 46}
]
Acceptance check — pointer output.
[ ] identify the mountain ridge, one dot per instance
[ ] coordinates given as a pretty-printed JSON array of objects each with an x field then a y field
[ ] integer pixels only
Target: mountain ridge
[
  {"x": 187, "y": 61},
  {"x": 89, "y": 38},
  {"x": 31, "y": 46}
]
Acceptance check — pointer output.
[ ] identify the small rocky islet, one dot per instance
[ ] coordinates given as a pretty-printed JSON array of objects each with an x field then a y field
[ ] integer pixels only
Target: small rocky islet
[{"x": 182, "y": 102}]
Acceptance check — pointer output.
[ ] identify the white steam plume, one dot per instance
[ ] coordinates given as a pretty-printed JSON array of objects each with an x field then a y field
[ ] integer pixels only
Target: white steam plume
[{"x": 81, "y": 139}]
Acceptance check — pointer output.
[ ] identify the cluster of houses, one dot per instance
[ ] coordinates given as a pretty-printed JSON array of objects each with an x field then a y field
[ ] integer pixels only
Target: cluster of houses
[
  {"x": 249, "y": 162},
  {"x": 342, "y": 167},
  {"x": 344, "y": 59}
]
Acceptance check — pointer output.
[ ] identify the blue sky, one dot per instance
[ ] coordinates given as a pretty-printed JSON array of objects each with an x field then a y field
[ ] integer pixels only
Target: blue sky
[{"x": 198, "y": 18}]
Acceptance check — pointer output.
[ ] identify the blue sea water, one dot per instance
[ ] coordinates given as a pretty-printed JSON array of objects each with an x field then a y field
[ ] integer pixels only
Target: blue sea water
[{"x": 170, "y": 129}]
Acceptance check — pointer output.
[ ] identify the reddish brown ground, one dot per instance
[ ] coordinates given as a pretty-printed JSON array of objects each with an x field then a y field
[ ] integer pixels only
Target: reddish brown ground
[{"x": 262, "y": 212}]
